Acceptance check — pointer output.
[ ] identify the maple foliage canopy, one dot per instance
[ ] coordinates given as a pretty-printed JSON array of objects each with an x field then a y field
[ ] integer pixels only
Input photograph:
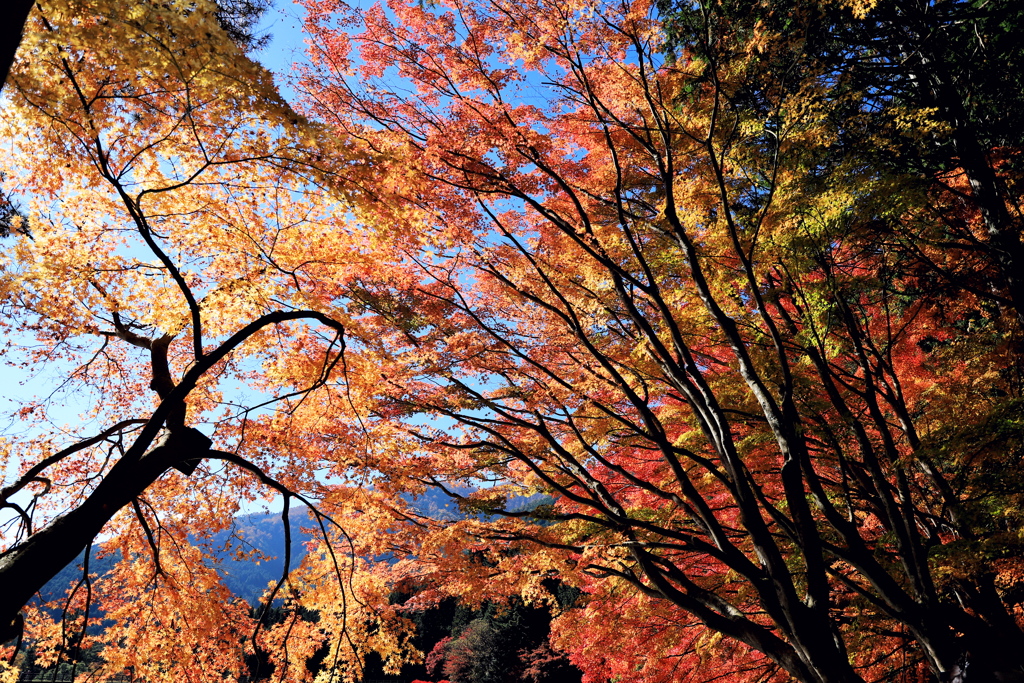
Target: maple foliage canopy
[{"x": 739, "y": 305}]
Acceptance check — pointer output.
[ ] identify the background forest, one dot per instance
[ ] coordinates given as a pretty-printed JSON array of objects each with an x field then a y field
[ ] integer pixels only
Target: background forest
[
  {"x": 493, "y": 643},
  {"x": 731, "y": 291}
]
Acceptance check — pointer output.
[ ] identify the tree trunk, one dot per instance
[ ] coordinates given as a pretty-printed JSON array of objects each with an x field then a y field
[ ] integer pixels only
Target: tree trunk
[
  {"x": 27, "y": 567},
  {"x": 11, "y": 27}
]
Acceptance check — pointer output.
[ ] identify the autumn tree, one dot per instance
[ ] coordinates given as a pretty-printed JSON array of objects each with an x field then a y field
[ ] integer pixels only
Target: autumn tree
[
  {"x": 958, "y": 61},
  {"x": 166, "y": 282},
  {"x": 237, "y": 17},
  {"x": 645, "y": 276}
]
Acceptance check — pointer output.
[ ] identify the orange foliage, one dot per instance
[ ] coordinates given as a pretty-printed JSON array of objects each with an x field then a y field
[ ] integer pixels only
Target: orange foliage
[{"x": 514, "y": 253}]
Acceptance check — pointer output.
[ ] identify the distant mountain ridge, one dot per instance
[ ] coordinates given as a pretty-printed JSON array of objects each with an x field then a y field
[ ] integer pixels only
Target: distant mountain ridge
[
  {"x": 264, "y": 532},
  {"x": 246, "y": 578}
]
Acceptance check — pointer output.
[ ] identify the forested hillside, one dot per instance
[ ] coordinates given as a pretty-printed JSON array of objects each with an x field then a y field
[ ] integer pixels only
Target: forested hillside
[{"x": 494, "y": 643}]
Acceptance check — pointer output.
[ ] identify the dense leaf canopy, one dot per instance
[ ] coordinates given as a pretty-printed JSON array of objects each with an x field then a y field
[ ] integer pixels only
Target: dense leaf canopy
[{"x": 705, "y": 314}]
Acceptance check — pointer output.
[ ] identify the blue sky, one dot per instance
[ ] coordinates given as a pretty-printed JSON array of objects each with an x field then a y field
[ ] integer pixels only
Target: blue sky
[{"x": 283, "y": 23}]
